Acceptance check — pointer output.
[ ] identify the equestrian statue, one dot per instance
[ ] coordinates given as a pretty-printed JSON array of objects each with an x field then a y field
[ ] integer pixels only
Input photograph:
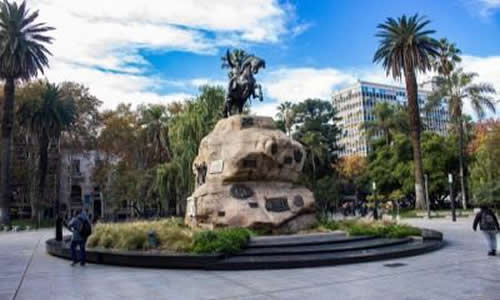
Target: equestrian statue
[{"x": 242, "y": 83}]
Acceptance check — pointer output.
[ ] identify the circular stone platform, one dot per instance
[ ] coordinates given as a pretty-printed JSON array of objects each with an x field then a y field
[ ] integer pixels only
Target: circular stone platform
[{"x": 271, "y": 252}]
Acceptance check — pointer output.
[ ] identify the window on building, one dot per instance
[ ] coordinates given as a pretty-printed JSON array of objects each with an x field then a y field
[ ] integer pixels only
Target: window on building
[{"x": 75, "y": 166}]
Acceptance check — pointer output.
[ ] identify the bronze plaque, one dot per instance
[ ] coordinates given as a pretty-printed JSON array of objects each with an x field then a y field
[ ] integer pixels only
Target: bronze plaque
[{"x": 278, "y": 204}]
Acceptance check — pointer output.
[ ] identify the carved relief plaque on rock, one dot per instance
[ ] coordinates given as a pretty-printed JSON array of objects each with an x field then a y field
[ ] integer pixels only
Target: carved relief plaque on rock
[
  {"x": 216, "y": 167},
  {"x": 241, "y": 191},
  {"x": 278, "y": 204},
  {"x": 298, "y": 201}
]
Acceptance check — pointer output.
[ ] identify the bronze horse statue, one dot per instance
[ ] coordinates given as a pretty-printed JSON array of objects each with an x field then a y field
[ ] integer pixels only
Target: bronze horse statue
[{"x": 242, "y": 83}]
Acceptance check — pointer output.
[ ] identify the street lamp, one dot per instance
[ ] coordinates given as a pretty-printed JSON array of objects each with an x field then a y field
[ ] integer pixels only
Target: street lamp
[
  {"x": 375, "y": 209},
  {"x": 427, "y": 197},
  {"x": 453, "y": 215}
]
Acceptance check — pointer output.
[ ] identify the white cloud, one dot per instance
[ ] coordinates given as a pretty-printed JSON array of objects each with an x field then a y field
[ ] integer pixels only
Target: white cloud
[
  {"x": 296, "y": 84},
  {"x": 488, "y": 71},
  {"x": 93, "y": 37},
  {"x": 269, "y": 109},
  {"x": 487, "y": 7}
]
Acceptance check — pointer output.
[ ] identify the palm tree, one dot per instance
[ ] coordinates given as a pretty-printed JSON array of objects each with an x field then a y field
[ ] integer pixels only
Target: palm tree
[
  {"x": 456, "y": 88},
  {"x": 388, "y": 120},
  {"x": 155, "y": 120},
  {"x": 405, "y": 48},
  {"x": 448, "y": 57},
  {"x": 22, "y": 56},
  {"x": 317, "y": 149},
  {"x": 286, "y": 114},
  {"x": 46, "y": 117}
]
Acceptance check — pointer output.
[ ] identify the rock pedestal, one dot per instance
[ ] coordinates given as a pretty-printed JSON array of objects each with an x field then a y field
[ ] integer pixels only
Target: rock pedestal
[{"x": 247, "y": 175}]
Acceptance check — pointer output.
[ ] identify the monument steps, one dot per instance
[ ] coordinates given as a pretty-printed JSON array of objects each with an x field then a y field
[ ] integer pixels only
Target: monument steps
[
  {"x": 355, "y": 244},
  {"x": 298, "y": 259},
  {"x": 303, "y": 240},
  {"x": 271, "y": 252}
]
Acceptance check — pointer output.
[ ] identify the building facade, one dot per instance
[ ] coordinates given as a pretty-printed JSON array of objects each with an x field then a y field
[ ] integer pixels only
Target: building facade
[
  {"x": 355, "y": 106},
  {"x": 77, "y": 189}
]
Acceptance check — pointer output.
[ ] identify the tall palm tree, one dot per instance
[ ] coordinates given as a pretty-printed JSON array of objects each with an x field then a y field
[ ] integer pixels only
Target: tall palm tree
[
  {"x": 155, "y": 122},
  {"x": 456, "y": 88},
  {"x": 406, "y": 48},
  {"x": 388, "y": 120},
  {"x": 448, "y": 57},
  {"x": 22, "y": 56},
  {"x": 286, "y": 114},
  {"x": 46, "y": 117}
]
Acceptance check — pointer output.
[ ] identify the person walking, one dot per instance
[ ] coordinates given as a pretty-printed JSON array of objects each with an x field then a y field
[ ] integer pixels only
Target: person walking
[
  {"x": 488, "y": 224},
  {"x": 80, "y": 227}
]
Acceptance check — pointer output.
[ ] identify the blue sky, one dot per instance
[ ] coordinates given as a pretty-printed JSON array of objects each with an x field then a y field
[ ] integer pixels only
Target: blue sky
[{"x": 161, "y": 51}]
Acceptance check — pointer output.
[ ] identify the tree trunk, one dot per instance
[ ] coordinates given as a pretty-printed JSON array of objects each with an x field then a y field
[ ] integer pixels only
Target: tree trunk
[
  {"x": 461, "y": 161},
  {"x": 7, "y": 124},
  {"x": 43, "y": 149},
  {"x": 414, "y": 112}
]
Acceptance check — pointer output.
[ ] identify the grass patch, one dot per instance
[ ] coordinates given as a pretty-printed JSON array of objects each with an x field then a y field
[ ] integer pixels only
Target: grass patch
[
  {"x": 371, "y": 228},
  {"x": 171, "y": 236}
]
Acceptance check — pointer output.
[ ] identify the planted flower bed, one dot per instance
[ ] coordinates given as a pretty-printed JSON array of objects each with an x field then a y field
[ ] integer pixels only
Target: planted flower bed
[{"x": 172, "y": 236}]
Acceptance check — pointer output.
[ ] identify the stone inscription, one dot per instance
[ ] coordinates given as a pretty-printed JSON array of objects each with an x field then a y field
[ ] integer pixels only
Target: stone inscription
[{"x": 216, "y": 167}]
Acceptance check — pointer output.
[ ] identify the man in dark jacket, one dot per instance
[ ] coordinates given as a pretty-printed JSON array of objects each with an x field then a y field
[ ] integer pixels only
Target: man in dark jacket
[
  {"x": 488, "y": 224},
  {"x": 77, "y": 239}
]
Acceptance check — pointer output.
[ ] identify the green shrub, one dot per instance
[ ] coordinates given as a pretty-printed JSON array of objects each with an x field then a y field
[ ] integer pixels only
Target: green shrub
[
  {"x": 230, "y": 240},
  {"x": 370, "y": 228}
]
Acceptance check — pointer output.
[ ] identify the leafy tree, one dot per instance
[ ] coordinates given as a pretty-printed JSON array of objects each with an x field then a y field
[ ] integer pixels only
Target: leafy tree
[
  {"x": 315, "y": 128},
  {"x": 389, "y": 119},
  {"x": 405, "y": 48},
  {"x": 456, "y": 88},
  {"x": 84, "y": 130},
  {"x": 390, "y": 166},
  {"x": 47, "y": 116},
  {"x": 175, "y": 179},
  {"x": 485, "y": 170},
  {"x": 154, "y": 120},
  {"x": 353, "y": 168},
  {"x": 22, "y": 56}
]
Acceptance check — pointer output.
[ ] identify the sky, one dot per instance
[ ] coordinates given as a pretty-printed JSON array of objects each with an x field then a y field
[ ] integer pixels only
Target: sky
[{"x": 159, "y": 51}]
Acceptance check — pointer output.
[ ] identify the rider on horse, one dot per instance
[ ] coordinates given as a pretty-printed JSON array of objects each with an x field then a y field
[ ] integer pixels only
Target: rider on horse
[{"x": 242, "y": 83}]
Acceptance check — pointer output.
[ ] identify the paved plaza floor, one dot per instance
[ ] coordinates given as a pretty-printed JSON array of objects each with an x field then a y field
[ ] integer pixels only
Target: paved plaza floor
[{"x": 461, "y": 270}]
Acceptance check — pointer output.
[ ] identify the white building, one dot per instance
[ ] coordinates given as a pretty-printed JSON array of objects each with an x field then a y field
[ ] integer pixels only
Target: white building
[
  {"x": 77, "y": 189},
  {"x": 355, "y": 105}
]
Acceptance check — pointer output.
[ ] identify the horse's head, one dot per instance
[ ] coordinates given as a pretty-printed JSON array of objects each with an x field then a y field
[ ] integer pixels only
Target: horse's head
[{"x": 257, "y": 63}]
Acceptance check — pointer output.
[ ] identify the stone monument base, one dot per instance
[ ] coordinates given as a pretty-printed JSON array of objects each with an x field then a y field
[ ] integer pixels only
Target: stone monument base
[
  {"x": 278, "y": 206},
  {"x": 248, "y": 175}
]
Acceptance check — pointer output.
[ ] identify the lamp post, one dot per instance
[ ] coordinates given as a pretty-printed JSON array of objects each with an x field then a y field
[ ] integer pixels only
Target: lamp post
[
  {"x": 453, "y": 214},
  {"x": 375, "y": 210},
  {"x": 427, "y": 197}
]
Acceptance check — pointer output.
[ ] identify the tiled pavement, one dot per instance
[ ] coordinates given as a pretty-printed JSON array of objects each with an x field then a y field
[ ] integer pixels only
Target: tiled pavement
[{"x": 461, "y": 270}]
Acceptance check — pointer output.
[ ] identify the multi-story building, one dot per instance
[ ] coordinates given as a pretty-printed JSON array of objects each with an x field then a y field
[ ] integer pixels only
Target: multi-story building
[
  {"x": 355, "y": 106},
  {"x": 77, "y": 190}
]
